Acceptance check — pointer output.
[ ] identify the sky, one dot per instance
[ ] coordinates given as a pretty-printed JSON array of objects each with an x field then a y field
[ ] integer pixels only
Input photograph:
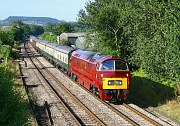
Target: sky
[{"x": 66, "y": 10}]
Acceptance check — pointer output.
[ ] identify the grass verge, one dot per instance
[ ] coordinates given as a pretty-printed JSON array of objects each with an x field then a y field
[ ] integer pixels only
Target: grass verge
[
  {"x": 15, "y": 108},
  {"x": 154, "y": 94},
  {"x": 171, "y": 109}
]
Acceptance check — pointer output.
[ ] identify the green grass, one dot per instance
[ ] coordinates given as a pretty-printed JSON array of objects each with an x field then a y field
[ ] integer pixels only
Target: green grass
[
  {"x": 172, "y": 109},
  {"x": 149, "y": 91}
]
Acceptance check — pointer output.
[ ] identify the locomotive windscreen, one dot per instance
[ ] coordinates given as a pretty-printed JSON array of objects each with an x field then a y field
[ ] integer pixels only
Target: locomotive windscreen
[{"x": 113, "y": 65}]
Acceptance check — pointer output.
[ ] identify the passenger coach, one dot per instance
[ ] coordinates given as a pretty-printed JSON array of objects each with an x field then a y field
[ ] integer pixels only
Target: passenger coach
[{"x": 59, "y": 55}]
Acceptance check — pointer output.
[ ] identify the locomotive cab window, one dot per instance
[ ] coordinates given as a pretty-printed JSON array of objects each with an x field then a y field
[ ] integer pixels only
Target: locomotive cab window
[{"x": 113, "y": 65}]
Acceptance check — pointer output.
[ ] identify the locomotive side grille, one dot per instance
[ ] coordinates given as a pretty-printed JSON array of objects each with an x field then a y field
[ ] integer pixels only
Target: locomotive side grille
[{"x": 114, "y": 83}]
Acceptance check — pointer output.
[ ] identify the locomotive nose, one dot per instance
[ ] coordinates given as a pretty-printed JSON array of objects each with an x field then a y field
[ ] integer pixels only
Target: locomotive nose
[{"x": 114, "y": 83}]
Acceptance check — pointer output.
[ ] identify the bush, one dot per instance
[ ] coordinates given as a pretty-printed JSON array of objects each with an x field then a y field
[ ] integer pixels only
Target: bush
[{"x": 14, "y": 109}]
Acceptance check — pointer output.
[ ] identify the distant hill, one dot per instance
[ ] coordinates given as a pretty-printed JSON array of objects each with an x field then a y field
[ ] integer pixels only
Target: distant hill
[{"x": 29, "y": 20}]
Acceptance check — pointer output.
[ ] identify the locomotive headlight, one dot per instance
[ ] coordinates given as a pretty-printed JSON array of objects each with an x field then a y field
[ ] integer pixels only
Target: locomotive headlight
[
  {"x": 127, "y": 75},
  {"x": 118, "y": 82},
  {"x": 111, "y": 82}
]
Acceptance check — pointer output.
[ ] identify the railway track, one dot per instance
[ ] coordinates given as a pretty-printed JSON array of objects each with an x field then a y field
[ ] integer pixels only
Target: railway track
[
  {"x": 138, "y": 119},
  {"x": 141, "y": 114},
  {"x": 80, "y": 114}
]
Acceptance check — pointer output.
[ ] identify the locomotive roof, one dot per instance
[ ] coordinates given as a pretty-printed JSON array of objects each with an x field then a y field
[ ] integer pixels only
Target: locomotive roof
[{"x": 91, "y": 56}]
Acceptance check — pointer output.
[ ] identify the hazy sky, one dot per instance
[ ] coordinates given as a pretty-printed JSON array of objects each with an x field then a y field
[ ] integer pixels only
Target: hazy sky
[{"x": 60, "y": 9}]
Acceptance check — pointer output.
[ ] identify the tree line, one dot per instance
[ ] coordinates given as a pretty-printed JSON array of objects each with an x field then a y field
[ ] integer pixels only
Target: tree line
[
  {"x": 18, "y": 32},
  {"x": 145, "y": 33}
]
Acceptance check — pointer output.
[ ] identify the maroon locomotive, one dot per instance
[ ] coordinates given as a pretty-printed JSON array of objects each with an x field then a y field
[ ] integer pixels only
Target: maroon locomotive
[{"x": 104, "y": 75}]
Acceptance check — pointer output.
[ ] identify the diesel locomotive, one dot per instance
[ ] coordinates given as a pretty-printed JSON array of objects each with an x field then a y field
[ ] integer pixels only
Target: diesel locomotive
[{"x": 105, "y": 76}]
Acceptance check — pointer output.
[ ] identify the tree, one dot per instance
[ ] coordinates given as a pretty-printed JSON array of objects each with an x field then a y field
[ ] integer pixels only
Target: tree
[
  {"x": 17, "y": 30},
  {"x": 26, "y": 30},
  {"x": 36, "y": 30},
  {"x": 6, "y": 43},
  {"x": 65, "y": 43},
  {"x": 156, "y": 46},
  {"x": 59, "y": 28},
  {"x": 63, "y": 27},
  {"x": 22, "y": 31},
  {"x": 109, "y": 19},
  {"x": 49, "y": 27},
  {"x": 7, "y": 38},
  {"x": 49, "y": 37}
]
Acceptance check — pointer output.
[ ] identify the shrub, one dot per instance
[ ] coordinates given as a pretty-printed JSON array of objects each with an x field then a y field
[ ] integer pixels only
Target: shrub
[{"x": 14, "y": 109}]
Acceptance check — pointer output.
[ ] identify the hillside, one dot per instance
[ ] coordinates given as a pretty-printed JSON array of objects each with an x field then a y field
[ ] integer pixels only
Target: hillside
[{"x": 29, "y": 20}]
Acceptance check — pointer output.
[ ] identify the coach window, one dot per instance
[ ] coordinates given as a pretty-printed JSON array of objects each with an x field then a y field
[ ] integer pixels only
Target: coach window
[{"x": 58, "y": 56}]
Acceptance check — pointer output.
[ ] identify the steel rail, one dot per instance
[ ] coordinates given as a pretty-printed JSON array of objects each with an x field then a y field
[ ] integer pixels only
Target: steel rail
[{"x": 142, "y": 115}]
